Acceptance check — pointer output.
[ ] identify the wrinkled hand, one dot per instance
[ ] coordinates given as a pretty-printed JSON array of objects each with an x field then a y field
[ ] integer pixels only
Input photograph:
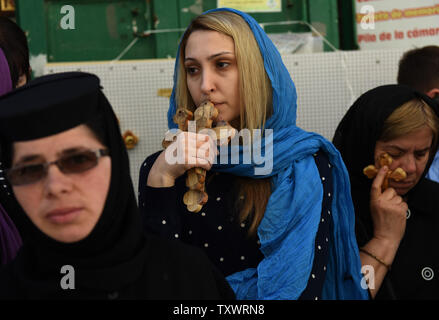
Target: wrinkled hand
[{"x": 388, "y": 211}]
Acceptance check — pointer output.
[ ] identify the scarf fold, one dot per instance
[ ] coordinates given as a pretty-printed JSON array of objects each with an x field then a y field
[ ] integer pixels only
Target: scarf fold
[{"x": 288, "y": 230}]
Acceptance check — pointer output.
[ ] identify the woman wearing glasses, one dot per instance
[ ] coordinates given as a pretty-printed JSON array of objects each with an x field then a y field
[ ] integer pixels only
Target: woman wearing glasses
[{"x": 82, "y": 238}]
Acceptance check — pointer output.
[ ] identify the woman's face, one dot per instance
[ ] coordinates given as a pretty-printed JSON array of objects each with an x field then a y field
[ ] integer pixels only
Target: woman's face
[
  {"x": 66, "y": 207},
  {"x": 409, "y": 152},
  {"x": 212, "y": 72}
]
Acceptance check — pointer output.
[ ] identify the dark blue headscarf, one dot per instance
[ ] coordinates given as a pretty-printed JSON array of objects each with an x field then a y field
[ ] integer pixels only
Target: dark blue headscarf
[{"x": 288, "y": 230}]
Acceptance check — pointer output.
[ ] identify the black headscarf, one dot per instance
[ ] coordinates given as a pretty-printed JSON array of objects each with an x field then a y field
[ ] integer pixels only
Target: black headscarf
[
  {"x": 356, "y": 137},
  {"x": 47, "y": 106},
  {"x": 116, "y": 257}
]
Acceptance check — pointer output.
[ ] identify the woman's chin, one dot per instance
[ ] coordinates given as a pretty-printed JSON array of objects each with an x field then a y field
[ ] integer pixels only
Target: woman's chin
[{"x": 68, "y": 234}]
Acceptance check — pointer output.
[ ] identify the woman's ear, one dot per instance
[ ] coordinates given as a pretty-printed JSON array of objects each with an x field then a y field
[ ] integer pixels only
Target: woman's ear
[
  {"x": 433, "y": 93},
  {"x": 22, "y": 80}
]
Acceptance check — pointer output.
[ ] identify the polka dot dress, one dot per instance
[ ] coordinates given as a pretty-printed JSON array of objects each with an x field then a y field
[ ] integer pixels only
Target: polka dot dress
[
  {"x": 323, "y": 238},
  {"x": 216, "y": 229},
  {"x": 6, "y": 196},
  {"x": 3, "y": 186}
]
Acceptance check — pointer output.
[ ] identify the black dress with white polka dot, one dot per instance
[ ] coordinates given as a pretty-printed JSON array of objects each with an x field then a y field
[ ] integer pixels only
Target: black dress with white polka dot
[
  {"x": 215, "y": 228},
  {"x": 6, "y": 199},
  {"x": 4, "y": 188}
]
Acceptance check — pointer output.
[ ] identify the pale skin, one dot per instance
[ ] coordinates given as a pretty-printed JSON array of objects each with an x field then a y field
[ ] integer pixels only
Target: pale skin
[
  {"x": 211, "y": 74},
  {"x": 22, "y": 80},
  {"x": 388, "y": 209},
  {"x": 433, "y": 92},
  {"x": 66, "y": 207}
]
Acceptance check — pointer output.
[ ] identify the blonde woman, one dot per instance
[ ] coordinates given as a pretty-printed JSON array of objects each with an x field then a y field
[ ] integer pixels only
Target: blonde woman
[
  {"x": 281, "y": 225},
  {"x": 396, "y": 228}
]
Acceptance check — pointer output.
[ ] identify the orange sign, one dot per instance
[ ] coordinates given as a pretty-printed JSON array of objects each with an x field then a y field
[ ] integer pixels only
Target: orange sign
[{"x": 383, "y": 24}]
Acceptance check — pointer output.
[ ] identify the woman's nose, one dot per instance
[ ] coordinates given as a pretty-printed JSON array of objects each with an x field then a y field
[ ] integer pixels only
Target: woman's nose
[
  {"x": 409, "y": 164},
  {"x": 207, "y": 83},
  {"x": 56, "y": 181}
]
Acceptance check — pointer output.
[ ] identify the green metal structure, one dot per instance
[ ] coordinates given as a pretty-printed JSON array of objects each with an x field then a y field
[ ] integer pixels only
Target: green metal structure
[
  {"x": 347, "y": 25},
  {"x": 110, "y": 29}
]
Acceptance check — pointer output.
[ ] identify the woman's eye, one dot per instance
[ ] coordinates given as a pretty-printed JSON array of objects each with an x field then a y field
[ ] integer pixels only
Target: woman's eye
[
  {"x": 191, "y": 70},
  {"x": 77, "y": 158},
  {"x": 223, "y": 64},
  {"x": 395, "y": 155},
  {"x": 30, "y": 169}
]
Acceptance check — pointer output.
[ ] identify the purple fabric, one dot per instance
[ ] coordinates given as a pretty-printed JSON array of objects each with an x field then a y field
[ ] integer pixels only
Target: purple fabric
[
  {"x": 5, "y": 75},
  {"x": 10, "y": 240}
]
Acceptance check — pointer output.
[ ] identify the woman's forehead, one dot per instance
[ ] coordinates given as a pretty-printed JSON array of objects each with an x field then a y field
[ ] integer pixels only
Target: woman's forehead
[
  {"x": 418, "y": 140},
  {"x": 208, "y": 41},
  {"x": 75, "y": 138}
]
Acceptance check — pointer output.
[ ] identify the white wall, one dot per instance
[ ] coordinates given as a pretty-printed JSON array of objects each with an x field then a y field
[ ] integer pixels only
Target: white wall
[{"x": 327, "y": 84}]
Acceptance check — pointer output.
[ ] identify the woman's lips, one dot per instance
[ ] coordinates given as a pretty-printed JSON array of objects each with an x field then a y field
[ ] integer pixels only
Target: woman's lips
[
  {"x": 403, "y": 187},
  {"x": 404, "y": 183},
  {"x": 63, "y": 215},
  {"x": 217, "y": 106}
]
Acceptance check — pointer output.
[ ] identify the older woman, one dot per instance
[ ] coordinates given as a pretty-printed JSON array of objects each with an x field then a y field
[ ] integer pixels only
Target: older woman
[
  {"x": 69, "y": 172},
  {"x": 396, "y": 228}
]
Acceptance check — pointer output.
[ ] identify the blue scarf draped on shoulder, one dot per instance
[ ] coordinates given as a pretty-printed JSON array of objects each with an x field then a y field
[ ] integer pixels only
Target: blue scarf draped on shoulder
[{"x": 288, "y": 230}]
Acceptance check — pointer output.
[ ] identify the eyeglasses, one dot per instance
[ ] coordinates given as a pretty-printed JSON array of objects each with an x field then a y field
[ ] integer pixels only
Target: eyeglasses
[{"x": 73, "y": 163}]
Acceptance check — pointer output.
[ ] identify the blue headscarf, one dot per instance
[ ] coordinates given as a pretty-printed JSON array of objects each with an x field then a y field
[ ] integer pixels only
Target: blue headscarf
[{"x": 288, "y": 229}]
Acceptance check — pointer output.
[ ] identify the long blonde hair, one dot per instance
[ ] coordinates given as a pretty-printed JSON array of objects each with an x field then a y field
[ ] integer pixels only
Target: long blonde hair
[
  {"x": 255, "y": 87},
  {"x": 255, "y": 94}
]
